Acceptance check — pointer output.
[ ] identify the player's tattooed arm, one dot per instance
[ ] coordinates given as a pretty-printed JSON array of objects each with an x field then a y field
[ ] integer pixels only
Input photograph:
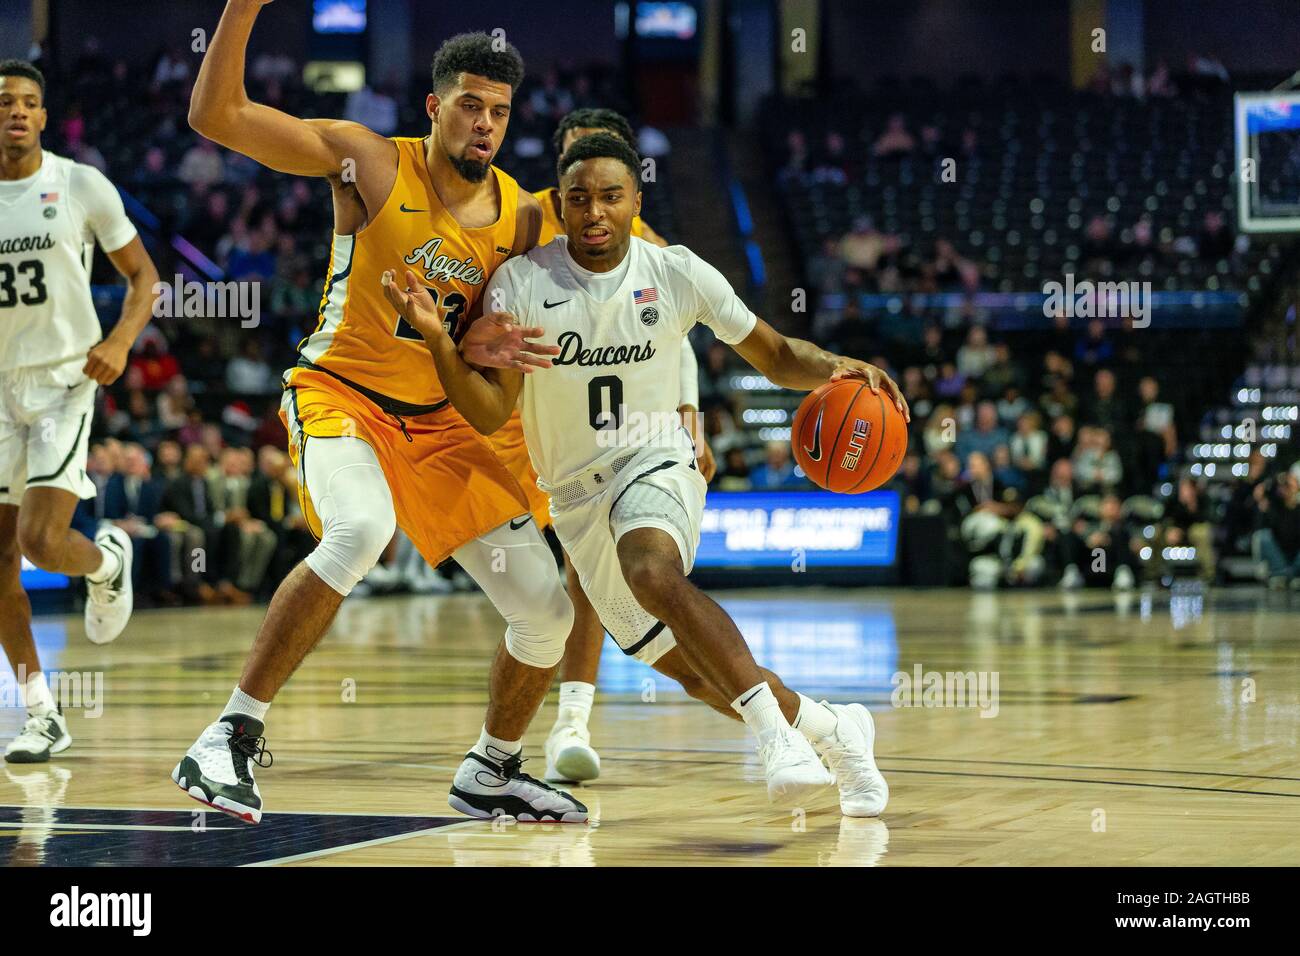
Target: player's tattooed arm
[
  {"x": 107, "y": 360},
  {"x": 795, "y": 363},
  {"x": 484, "y": 396}
]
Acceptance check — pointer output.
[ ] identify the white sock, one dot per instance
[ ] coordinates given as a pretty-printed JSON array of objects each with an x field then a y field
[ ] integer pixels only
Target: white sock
[
  {"x": 814, "y": 721},
  {"x": 576, "y": 698},
  {"x": 37, "y": 696},
  {"x": 496, "y": 749},
  {"x": 759, "y": 710},
  {"x": 109, "y": 565},
  {"x": 241, "y": 703}
]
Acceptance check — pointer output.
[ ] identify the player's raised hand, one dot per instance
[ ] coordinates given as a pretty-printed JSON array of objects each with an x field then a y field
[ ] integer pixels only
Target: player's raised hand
[
  {"x": 496, "y": 341},
  {"x": 876, "y": 379},
  {"x": 414, "y": 303}
]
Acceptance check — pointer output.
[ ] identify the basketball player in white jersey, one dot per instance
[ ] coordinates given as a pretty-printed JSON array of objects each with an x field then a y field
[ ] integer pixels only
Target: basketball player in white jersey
[
  {"x": 53, "y": 354},
  {"x": 604, "y": 435}
]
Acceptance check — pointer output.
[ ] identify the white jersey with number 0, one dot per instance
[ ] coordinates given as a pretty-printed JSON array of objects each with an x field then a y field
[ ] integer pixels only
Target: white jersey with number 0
[
  {"x": 49, "y": 223},
  {"x": 616, "y": 383}
]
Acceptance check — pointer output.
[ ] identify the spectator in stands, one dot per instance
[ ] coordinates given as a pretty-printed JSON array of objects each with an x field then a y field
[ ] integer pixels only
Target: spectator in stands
[
  {"x": 1104, "y": 407},
  {"x": 153, "y": 362},
  {"x": 777, "y": 472},
  {"x": 174, "y": 403},
  {"x": 189, "y": 518},
  {"x": 132, "y": 499},
  {"x": 167, "y": 461},
  {"x": 1094, "y": 347},
  {"x": 202, "y": 166},
  {"x": 1003, "y": 541},
  {"x": 1028, "y": 448},
  {"x": 976, "y": 356},
  {"x": 832, "y": 163},
  {"x": 1103, "y": 551},
  {"x": 1160, "y": 83},
  {"x": 273, "y": 500},
  {"x": 1187, "y": 522},
  {"x": 1278, "y": 524},
  {"x": 1215, "y": 240},
  {"x": 984, "y": 437},
  {"x": 949, "y": 271},
  {"x": 912, "y": 482},
  {"x": 1062, "y": 439},
  {"x": 376, "y": 109},
  {"x": 895, "y": 140},
  {"x": 171, "y": 72},
  {"x": 1096, "y": 465},
  {"x": 734, "y": 474},
  {"x": 249, "y": 373},
  {"x": 940, "y": 431},
  {"x": 246, "y": 544},
  {"x": 861, "y": 247}
]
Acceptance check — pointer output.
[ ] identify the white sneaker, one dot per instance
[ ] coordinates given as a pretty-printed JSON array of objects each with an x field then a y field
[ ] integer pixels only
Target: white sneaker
[
  {"x": 218, "y": 769},
  {"x": 1124, "y": 580},
  {"x": 108, "y": 604},
  {"x": 569, "y": 755},
  {"x": 1072, "y": 579},
  {"x": 850, "y": 753},
  {"x": 486, "y": 788},
  {"x": 41, "y": 736},
  {"x": 794, "y": 771}
]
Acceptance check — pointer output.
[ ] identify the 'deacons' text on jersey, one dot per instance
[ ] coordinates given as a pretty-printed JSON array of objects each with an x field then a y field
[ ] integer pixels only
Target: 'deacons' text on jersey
[
  {"x": 49, "y": 223},
  {"x": 616, "y": 383}
]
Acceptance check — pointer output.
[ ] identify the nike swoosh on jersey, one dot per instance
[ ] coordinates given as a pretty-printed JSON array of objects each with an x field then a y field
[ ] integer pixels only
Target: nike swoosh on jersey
[
  {"x": 523, "y": 521},
  {"x": 551, "y": 305},
  {"x": 815, "y": 452},
  {"x": 403, "y": 208}
]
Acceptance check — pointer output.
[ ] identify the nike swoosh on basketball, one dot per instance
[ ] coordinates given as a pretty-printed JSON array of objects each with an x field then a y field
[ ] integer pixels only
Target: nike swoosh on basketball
[
  {"x": 551, "y": 305},
  {"x": 524, "y": 521},
  {"x": 815, "y": 452},
  {"x": 404, "y": 209}
]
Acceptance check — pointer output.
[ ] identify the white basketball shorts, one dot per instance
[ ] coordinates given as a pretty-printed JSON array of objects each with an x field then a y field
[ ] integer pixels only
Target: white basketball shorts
[
  {"x": 45, "y": 415},
  {"x": 657, "y": 489}
]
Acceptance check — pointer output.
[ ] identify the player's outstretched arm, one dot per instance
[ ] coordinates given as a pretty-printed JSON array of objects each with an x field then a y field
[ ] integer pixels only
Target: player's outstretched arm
[
  {"x": 485, "y": 397},
  {"x": 221, "y": 111},
  {"x": 794, "y": 363}
]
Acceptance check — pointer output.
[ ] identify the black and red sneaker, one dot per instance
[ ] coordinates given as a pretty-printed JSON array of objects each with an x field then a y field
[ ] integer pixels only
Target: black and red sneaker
[{"x": 218, "y": 769}]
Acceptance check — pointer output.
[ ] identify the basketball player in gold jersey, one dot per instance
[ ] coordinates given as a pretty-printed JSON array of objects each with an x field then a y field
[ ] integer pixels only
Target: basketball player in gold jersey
[
  {"x": 569, "y": 754},
  {"x": 371, "y": 431}
]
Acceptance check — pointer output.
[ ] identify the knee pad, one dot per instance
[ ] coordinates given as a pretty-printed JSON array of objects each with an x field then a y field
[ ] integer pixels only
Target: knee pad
[
  {"x": 536, "y": 636},
  {"x": 357, "y": 521}
]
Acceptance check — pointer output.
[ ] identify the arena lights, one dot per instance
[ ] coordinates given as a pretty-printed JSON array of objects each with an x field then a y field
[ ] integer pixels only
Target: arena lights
[
  {"x": 1145, "y": 554},
  {"x": 1281, "y": 413},
  {"x": 1240, "y": 470},
  {"x": 752, "y": 383},
  {"x": 1179, "y": 554},
  {"x": 764, "y": 416},
  {"x": 775, "y": 434},
  {"x": 1248, "y": 396}
]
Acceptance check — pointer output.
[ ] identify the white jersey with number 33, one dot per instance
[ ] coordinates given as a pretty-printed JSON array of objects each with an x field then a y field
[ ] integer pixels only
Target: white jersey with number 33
[
  {"x": 616, "y": 384},
  {"x": 48, "y": 225}
]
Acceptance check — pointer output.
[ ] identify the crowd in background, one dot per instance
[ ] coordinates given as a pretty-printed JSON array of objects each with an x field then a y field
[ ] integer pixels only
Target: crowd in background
[{"x": 1039, "y": 450}]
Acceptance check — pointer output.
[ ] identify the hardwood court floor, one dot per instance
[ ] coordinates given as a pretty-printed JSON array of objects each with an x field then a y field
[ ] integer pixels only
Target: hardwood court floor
[{"x": 1159, "y": 728}]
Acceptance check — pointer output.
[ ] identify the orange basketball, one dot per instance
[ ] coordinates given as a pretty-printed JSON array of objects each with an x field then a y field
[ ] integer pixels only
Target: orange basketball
[{"x": 848, "y": 439}]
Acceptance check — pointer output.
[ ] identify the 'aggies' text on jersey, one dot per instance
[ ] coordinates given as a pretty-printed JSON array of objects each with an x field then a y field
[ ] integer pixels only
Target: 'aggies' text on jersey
[{"x": 359, "y": 337}]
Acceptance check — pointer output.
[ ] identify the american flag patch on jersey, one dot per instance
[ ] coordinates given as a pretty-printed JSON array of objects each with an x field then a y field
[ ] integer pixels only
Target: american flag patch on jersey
[
  {"x": 49, "y": 197},
  {"x": 642, "y": 296}
]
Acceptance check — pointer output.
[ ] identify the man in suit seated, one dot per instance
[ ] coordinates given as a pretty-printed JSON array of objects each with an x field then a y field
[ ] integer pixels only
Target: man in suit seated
[
  {"x": 273, "y": 500},
  {"x": 132, "y": 500}
]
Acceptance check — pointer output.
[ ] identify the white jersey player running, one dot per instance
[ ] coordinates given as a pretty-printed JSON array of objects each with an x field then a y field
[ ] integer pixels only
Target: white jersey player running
[
  {"x": 52, "y": 355},
  {"x": 604, "y": 436}
]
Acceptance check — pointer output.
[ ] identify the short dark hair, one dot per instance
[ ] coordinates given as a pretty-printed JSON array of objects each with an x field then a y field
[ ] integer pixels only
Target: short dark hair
[
  {"x": 476, "y": 53},
  {"x": 597, "y": 146},
  {"x": 23, "y": 68},
  {"x": 593, "y": 117}
]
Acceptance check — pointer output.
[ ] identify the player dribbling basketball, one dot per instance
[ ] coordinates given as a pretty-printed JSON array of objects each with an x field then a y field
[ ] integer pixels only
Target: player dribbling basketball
[{"x": 608, "y": 447}]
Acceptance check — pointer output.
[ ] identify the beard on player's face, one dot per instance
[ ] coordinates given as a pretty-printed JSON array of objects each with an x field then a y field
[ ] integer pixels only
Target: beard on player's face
[{"x": 470, "y": 170}]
